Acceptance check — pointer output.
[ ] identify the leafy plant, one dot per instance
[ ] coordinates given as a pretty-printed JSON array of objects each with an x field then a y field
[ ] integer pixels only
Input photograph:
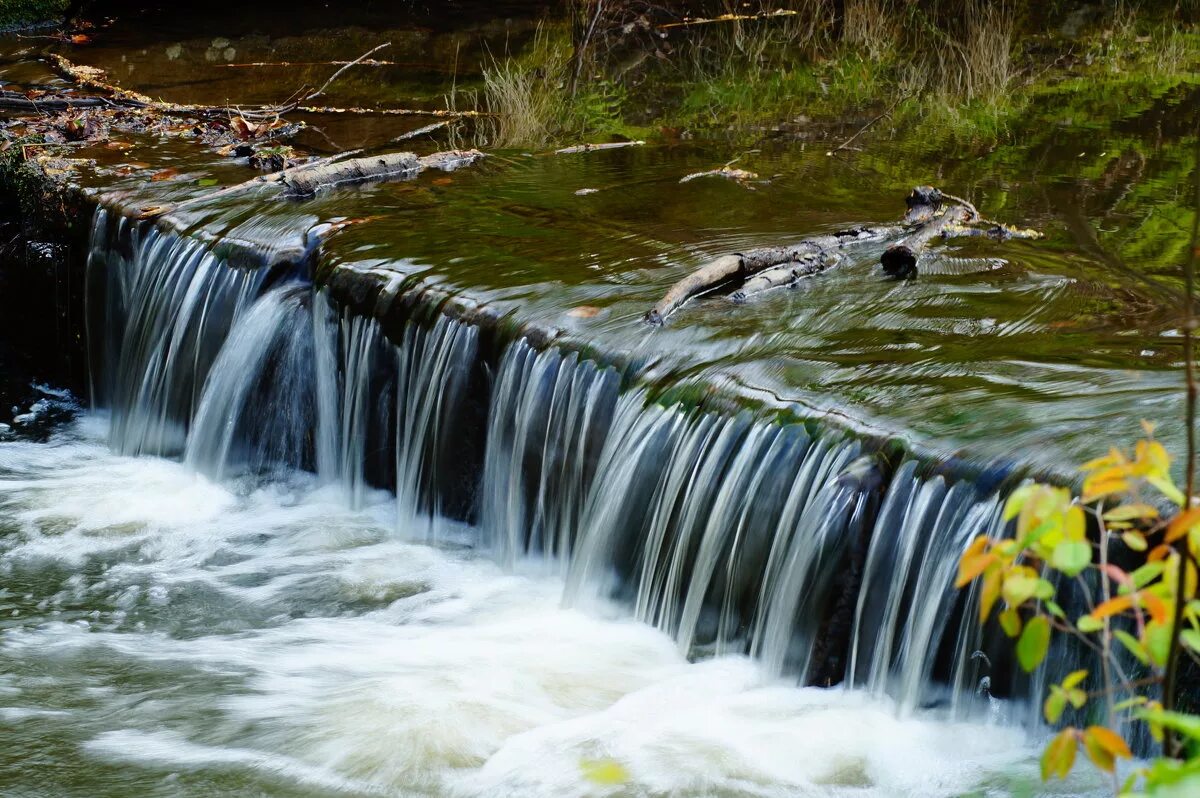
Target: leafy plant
[{"x": 1134, "y": 611}]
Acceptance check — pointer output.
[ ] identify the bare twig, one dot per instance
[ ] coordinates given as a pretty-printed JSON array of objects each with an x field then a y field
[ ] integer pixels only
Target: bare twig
[
  {"x": 339, "y": 73},
  {"x": 614, "y": 145},
  {"x": 845, "y": 145},
  {"x": 729, "y": 18}
]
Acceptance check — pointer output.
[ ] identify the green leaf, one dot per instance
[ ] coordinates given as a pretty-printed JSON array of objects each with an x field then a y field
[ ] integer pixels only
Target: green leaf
[
  {"x": 1157, "y": 639},
  {"x": 207, "y": 181},
  {"x": 1055, "y": 610},
  {"x": 1191, "y": 639},
  {"x": 1147, "y": 573},
  {"x": 1074, "y": 678},
  {"x": 1034, "y": 642},
  {"x": 1166, "y": 487},
  {"x": 1134, "y": 645},
  {"x": 1128, "y": 703},
  {"x": 1016, "y": 501},
  {"x": 1071, "y": 556},
  {"x": 1010, "y": 622},
  {"x": 1019, "y": 589},
  {"x": 1055, "y": 704},
  {"x": 1089, "y": 624}
]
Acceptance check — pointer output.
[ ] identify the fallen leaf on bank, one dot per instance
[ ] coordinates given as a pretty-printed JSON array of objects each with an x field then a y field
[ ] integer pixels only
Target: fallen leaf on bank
[
  {"x": 443, "y": 181},
  {"x": 165, "y": 174},
  {"x": 120, "y": 146},
  {"x": 584, "y": 312}
]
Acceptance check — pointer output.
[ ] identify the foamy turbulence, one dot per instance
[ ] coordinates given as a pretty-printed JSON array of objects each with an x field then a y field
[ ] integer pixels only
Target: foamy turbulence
[{"x": 163, "y": 634}]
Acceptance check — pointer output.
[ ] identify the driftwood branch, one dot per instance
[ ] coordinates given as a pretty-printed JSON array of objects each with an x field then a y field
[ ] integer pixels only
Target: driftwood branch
[
  {"x": 613, "y": 145},
  {"x": 94, "y": 79},
  {"x": 338, "y": 170},
  {"x": 930, "y": 215},
  {"x": 900, "y": 259}
]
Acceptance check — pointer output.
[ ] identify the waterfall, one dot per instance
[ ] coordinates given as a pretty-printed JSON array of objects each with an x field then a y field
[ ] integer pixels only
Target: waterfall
[
  {"x": 549, "y": 418},
  {"x": 907, "y": 602},
  {"x": 168, "y": 304},
  {"x": 803, "y": 547}
]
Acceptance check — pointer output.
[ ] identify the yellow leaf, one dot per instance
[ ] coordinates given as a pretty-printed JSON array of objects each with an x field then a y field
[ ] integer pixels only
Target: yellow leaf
[
  {"x": 1154, "y": 605},
  {"x": 1075, "y": 526},
  {"x": 989, "y": 593},
  {"x": 1074, "y": 678},
  {"x": 971, "y": 566},
  {"x": 1110, "y": 741},
  {"x": 608, "y": 772},
  {"x": 1182, "y": 524},
  {"x": 1130, "y": 512},
  {"x": 1101, "y": 757},
  {"x": 1136, "y": 541},
  {"x": 1099, "y": 488},
  {"x": 1059, "y": 756}
]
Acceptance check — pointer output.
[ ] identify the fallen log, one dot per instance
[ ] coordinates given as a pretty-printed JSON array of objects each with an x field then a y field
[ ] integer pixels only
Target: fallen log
[
  {"x": 930, "y": 214},
  {"x": 305, "y": 182},
  {"x": 822, "y": 253},
  {"x": 16, "y": 101},
  {"x": 805, "y": 258},
  {"x": 308, "y": 179},
  {"x": 900, "y": 259}
]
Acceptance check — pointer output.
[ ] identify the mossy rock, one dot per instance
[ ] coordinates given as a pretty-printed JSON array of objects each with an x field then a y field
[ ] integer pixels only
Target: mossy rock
[{"x": 20, "y": 13}]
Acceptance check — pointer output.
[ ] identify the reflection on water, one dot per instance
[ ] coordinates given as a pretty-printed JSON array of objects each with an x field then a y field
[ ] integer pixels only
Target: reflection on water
[{"x": 166, "y": 635}]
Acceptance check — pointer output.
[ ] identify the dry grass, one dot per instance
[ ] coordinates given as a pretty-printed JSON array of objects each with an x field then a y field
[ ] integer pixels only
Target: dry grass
[
  {"x": 873, "y": 27},
  {"x": 525, "y": 95}
]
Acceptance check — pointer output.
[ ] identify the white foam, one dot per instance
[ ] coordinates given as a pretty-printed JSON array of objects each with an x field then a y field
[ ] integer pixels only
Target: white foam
[{"x": 419, "y": 669}]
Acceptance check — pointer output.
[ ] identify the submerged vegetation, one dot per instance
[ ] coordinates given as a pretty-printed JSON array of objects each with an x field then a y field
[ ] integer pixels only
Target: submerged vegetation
[{"x": 798, "y": 69}]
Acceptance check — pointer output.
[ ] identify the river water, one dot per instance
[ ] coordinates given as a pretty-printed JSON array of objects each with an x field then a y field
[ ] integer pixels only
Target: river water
[
  {"x": 248, "y": 615},
  {"x": 163, "y": 634}
]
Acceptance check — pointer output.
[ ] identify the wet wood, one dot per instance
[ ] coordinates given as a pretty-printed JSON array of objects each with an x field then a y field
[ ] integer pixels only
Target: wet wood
[
  {"x": 16, "y": 101},
  {"x": 900, "y": 259},
  {"x": 708, "y": 277},
  {"x": 334, "y": 171},
  {"x": 931, "y": 214},
  {"x": 613, "y": 145},
  {"x": 805, "y": 259},
  {"x": 95, "y": 80}
]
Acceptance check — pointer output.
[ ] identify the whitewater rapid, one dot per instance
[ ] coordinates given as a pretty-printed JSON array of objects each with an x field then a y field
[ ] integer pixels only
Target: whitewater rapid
[{"x": 165, "y": 634}]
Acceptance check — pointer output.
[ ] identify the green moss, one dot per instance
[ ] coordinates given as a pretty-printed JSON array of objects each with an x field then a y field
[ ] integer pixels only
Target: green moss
[{"x": 18, "y": 13}]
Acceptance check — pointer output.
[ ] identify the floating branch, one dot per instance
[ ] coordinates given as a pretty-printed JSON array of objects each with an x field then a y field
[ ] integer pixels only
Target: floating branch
[
  {"x": 308, "y": 179},
  {"x": 930, "y": 215},
  {"x": 740, "y": 176},
  {"x": 614, "y": 145},
  {"x": 781, "y": 12},
  {"x": 900, "y": 259},
  {"x": 95, "y": 79}
]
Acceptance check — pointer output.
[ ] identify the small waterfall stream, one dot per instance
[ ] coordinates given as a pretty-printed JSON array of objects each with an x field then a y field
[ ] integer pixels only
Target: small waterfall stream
[{"x": 799, "y": 546}]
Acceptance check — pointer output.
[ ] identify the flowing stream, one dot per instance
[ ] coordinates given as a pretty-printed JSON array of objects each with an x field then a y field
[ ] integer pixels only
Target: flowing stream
[{"x": 241, "y": 573}]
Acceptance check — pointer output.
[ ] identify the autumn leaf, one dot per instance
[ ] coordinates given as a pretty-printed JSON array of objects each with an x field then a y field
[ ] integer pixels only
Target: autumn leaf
[{"x": 1059, "y": 756}]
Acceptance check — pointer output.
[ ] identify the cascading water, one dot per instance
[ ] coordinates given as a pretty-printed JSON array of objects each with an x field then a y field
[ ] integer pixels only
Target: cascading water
[
  {"x": 354, "y": 657},
  {"x": 549, "y": 418},
  {"x": 732, "y": 534}
]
